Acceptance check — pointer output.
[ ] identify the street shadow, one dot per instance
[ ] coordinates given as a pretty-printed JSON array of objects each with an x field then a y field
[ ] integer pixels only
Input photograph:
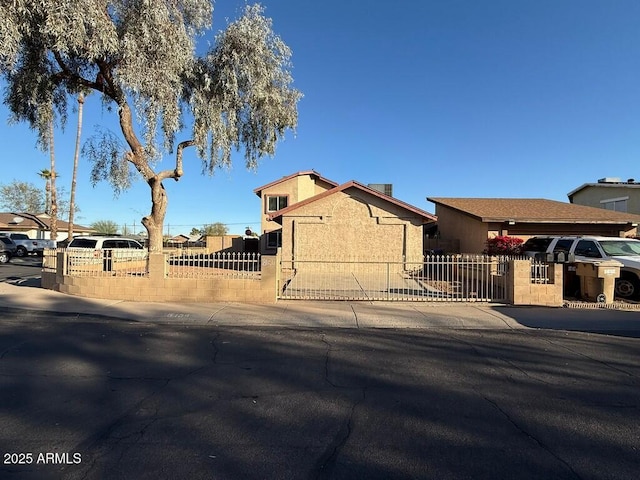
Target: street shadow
[
  {"x": 624, "y": 323},
  {"x": 142, "y": 400}
]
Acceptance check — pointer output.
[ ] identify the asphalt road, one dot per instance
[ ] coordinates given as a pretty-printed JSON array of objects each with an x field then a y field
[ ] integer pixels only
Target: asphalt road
[
  {"x": 22, "y": 269},
  {"x": 94, "y": 398}
]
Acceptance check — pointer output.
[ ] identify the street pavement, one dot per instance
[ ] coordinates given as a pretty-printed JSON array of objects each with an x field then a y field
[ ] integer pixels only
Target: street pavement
[{"x": 95, "y": 389}]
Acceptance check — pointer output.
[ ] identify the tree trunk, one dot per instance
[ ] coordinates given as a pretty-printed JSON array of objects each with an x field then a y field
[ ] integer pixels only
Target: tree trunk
[
  {"x": 72, "y": 200},
  {"x": 54, "y": 200},
  {"x": 155, "y": 221}
]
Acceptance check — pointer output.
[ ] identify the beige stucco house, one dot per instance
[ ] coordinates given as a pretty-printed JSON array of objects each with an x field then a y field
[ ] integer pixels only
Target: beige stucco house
[
  {"x": 609, "y": 193},
  {"x": 472, "y": 221},
  {"x": 351, "y": 222},
  {"x": 282, "y": 193}
]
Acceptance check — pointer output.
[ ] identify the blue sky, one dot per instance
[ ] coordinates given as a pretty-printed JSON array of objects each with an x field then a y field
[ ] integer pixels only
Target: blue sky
[{"x": 446, "y": 98}]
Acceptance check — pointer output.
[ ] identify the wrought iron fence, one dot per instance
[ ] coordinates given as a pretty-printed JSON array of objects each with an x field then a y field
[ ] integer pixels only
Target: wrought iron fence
[
  {"x": 220, "y": 264},
  {"x": 87, "y": 262},
  {"x": 436, "y": 278},
  {"x": 50, "y": 259}
]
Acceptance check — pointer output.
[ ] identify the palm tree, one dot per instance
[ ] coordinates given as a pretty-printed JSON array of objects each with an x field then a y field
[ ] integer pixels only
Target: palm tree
[
  {"x": 51, "y": 207},
  {"x": 46, "y": 175},
  {"x": 72, "y": 201},
  {"x": 54, "y": 197}
]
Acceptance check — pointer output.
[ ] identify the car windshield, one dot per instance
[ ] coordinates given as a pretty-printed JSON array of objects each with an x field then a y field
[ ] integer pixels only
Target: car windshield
[{"x": 618, "y": 248}]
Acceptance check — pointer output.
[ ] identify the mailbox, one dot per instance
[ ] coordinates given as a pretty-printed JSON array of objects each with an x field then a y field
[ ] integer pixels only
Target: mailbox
[{"x": 598, "y": 278}]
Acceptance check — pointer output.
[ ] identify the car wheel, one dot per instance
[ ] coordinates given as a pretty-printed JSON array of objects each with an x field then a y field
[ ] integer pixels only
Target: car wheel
[
  {"x": 21, "y": 252},
  {"x": 4, "y": 257},
  {"x": 627, "y": 286}
]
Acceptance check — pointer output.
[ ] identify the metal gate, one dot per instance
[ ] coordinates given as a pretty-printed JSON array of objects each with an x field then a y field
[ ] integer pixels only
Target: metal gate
[{"x": 450, "y": 278}]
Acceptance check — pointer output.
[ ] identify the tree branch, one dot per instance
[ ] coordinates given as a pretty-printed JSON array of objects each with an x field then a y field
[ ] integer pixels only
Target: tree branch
[{"x": 178, "y": 171}]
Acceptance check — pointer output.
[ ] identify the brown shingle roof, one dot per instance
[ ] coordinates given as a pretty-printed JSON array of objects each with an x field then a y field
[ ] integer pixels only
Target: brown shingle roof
[{"x": 533, "y": 210}]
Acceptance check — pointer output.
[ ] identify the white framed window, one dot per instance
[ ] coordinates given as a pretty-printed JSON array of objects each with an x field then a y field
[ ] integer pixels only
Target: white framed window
[
  {"x": 276, "y": 202},
  {"x": 615, "y": 204}
]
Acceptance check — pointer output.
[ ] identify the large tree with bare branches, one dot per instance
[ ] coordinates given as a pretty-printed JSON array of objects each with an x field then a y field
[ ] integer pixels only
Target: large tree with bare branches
[{"x": 140, "y": 55}]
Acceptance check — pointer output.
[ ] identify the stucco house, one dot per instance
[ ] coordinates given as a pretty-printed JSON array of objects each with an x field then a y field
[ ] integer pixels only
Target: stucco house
[
  {"x": 350, "y": 222},
  {"x": 282, "y": 193},
  {"x": 609, "y": 193},
  {"x": 473, "y": 220}
]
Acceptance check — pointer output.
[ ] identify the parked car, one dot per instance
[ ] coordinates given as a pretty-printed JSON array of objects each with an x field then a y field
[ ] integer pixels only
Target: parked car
[
  {"x": 8, "y": 249},
  {"x": 96, "y": 249},
  {"x": 624, "y": 250},
  {"x": 28, "y": 245}
]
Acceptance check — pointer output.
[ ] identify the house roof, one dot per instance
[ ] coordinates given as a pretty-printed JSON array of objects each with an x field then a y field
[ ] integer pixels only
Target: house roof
[
  {"x": 312, "y": 173},
  {"x": 618, "y": 185},
  {"x": 533, "y": 210},
  {"x": 32, "y": 221},
  {"x": 427, "y": 217}
]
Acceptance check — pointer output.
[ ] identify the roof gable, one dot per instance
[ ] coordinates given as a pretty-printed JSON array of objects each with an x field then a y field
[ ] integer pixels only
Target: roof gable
[
  {"x": 311, "y": 173},
  {"x": 426, "y": 217},
  {"x": 533, "y": 210}
]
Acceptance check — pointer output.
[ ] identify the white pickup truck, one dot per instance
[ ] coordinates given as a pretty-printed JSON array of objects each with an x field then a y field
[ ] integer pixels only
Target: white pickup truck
[
  {"x": 28, "y": 245},
  {"x": 624, "y": 250}
]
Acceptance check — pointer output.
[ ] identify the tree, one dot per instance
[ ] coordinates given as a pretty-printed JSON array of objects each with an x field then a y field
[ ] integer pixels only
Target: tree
[
  {"x": 214, "y": 229},
  {"x": 106, "y": 227},
  {"x": 141, "y": 58},
  {"x": 45, "y": 174},
  {"x": 21, "y": 197},
  {"x": 53, "y": 224},
  {"x": 76, "y": 155},
  {"x": 25, "y": 197}
]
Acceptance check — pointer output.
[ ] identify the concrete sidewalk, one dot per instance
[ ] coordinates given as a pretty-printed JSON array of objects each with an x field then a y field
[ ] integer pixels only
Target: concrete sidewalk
[{"x": 311, "y": 314}]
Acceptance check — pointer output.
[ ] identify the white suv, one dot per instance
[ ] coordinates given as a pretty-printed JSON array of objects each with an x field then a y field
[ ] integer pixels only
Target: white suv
[
  {"x": 102, "y": 243},
  {"x": 95, "y": 249},
  {"x": 624, "y": 250}
]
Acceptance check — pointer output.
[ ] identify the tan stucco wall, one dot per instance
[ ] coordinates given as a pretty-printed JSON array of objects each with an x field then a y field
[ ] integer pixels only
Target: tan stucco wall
[
  {"x": 471, "y": 233},
  {"x": 592, "y": 196},
  {"x": 218, "y": 243},
  {"x": 352, "y": 225},
  {"x": 521, "y": 290},
  {"x": 297, "y": 189},
  {"x": 156, "y": 287}
]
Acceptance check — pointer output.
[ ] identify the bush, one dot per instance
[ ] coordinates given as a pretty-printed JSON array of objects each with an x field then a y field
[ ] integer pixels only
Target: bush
[{"x": 503, "y": 245}]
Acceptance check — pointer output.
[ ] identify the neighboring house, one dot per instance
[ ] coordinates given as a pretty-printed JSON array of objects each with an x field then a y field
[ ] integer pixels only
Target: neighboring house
[
  {"x": 178, "y": 240},
  {"x": 473, "y": 220},
  {"x": 282, "y": 193},
  {"x": 351, "y": 222},
  {"x": 610, "y": 194},
  {"x": 37, "y": 226}
]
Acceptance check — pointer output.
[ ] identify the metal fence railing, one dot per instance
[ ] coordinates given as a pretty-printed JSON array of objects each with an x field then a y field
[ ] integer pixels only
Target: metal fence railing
[
  {"x": 50, "y": 260},
  {"x": 88, "y": 262},
  {"x": 539, "y": 272},
  {"x": 435, "y": 278},
  {"x": 219, "y": 264}
]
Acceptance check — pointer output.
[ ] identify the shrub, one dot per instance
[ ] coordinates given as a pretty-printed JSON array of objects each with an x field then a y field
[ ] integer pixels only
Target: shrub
[{"x": 503, "y": 245}]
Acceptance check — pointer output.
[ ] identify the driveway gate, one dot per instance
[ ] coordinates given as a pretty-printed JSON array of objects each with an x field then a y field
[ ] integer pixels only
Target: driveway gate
[{"x": 462, "y": 278}]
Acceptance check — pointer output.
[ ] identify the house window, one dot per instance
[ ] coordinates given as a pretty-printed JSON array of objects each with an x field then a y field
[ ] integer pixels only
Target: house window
[
  {"x": 276, "y": 202},
  {"x": 615, "y": 204},
  {"x": 274, "y": 239}
]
